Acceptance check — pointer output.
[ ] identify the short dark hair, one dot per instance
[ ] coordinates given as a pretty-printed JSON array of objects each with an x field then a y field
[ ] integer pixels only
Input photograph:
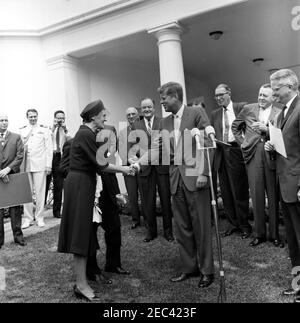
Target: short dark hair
[
  {"x": 172, "y": 88},
  {"x": 57, "y": 112},
  {"x": 31, "y": 110},
  {"x": 147, "y": 98}
]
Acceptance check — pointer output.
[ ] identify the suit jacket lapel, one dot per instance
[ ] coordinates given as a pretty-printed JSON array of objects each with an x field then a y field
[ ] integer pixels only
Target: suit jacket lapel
[
  {"x": 290, "y": 111},
  {"x": 183, "y": 124},
  {"x": 6, "y": 139},
  {"x": 272, "y": 114},
  {"x": 256, "y": 112},
  {"x": 235, "y": 108}
]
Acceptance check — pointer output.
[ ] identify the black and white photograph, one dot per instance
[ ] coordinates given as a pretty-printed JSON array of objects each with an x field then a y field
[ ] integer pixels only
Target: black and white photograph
[{"x": 149, "y": 154}]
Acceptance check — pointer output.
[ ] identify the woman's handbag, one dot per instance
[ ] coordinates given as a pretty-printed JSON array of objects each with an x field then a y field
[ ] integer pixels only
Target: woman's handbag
[{"x": 97, "y": 214}]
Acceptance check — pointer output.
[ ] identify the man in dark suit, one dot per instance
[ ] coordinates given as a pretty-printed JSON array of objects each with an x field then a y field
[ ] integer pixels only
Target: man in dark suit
[
  {"x": 59, "y": 137},
  {"x": 151, "y": 176},
  {"x": 188, "y": 182},
  {"x": 251, "y": 131},
  {"x": 229, "y": 163},
  {"x": 108, "y": 145},
  {"x": 131, "y": 182},
  {"x": 11, "y": 156},
  {"x": 284, "y": 84}
]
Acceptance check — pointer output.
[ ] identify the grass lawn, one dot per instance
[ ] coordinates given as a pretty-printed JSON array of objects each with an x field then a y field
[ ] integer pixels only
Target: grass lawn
[{"x": 38, "y": 274}]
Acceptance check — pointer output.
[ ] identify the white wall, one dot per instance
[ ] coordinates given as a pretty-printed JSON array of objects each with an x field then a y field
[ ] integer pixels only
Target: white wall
[
  {"x": 36, "y": 14},
  {"x": 23, "y": 81}
]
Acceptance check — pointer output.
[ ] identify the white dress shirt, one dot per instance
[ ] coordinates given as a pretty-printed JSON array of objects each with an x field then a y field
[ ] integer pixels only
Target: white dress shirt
[
  {"x": 231, "y": 117},
  {"x": 177, "y": 123},
  {"x": 264, "y": 114}
]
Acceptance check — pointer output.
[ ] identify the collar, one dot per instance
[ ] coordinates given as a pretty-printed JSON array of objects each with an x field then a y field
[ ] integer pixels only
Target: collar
[
  {"x": 290, "y": 102},
  {"x": 179, "y": 112},
  {"x": 5, "y": 133},
  {"x": 151, "y": 121},
  {"x": 230, "y": 107}
]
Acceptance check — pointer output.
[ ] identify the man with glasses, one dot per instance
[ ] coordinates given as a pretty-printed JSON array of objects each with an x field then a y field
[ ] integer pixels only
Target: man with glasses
[
  {"x": 285, "y": 84},
  {"x": 229, "y": 163},
  {"x": 59, "y": 137}
]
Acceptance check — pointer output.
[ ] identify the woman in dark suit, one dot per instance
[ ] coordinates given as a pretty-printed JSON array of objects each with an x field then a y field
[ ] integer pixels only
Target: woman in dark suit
[{"x": 76, "y": 234}]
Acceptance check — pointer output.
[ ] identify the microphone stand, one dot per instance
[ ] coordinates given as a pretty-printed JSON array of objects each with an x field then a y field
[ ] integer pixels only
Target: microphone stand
[{"x": 222, "y": 291}]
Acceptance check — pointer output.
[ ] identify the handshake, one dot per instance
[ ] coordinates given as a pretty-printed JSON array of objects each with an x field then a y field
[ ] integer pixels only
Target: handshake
[{"x": 133, "y": 169}]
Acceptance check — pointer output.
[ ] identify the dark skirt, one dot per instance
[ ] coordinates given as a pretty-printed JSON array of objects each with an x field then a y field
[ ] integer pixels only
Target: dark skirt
[{"x": 76, "y": 233}]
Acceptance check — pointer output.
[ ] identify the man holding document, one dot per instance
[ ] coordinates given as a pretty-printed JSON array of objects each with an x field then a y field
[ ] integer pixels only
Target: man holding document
[
  {"x": 11, "y": 156},
  {"x": 284, "y": 84}
]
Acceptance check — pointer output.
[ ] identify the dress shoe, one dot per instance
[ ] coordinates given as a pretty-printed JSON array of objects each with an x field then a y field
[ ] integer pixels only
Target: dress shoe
[
  {"x": 206, "y": 280},
  {"x": 57, "y": 215},
  {"x": 255, "y": 242},
  {"x": 229, "y": 232},
  {"x": 277, "y": 243},
  {"x": 289, "y": 292},
  {"x": 79, "y": 294},
  {"x": 169, "y": 238},
  {"x": 99, "y": 278},
  {"x": 245, "y": 235},
  {"x": 184, "y": 276},
  {"x": 117, "y": 270},
  {"x": 21, "y": 242},
  {"x": 134, "y": 225},
  {"x": 148, "y": 239}
]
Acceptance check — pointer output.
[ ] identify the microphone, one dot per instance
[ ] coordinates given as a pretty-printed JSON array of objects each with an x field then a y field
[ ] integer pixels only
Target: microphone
[
  {"x": 211, "y": 134},
  {"x": 195, "y": 132}
]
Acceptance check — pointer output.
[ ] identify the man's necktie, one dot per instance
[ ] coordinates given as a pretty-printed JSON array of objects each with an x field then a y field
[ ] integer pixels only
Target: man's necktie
[
  {"x": 58, "y": 139},
  {"x": 1, "y": 150},
  {"x": 282, "y": 119},
  {"x": 149, "y": 127},
  {"x": 226, "y": 123},
  {"x": 176, "y": 128}
]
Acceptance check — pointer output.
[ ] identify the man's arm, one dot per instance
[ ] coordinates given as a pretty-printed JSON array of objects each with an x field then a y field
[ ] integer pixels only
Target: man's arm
[
  {"x": 15, "y": 164},
  {"x": 48, "y": 150},
  {"x": 238, "y": 127}
]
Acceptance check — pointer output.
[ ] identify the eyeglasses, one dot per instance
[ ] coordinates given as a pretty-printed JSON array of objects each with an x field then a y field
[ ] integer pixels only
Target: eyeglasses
[
  {"x": 276, "y": 89},
  {"x": 220, "y": 95}
]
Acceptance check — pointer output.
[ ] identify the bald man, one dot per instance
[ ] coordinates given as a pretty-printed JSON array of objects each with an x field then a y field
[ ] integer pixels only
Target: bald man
[
  {"x": 11, "y": 156},
  {"x": 131, "y": 182}
]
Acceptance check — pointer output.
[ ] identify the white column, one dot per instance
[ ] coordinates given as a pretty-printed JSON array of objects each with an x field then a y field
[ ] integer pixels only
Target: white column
[
  {"x": 63, "y": 77},
  {"x": 170, "y": 53}
]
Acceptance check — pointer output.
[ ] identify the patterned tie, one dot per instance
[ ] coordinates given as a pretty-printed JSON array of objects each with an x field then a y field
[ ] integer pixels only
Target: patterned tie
[
  {"x": 282, "y": 119},
  {"x": 149, "y": 127},
  {"x": 1, "y": 150},
  {"x": 57, "y": 139},
  {"x": 226, "y": 122}
]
